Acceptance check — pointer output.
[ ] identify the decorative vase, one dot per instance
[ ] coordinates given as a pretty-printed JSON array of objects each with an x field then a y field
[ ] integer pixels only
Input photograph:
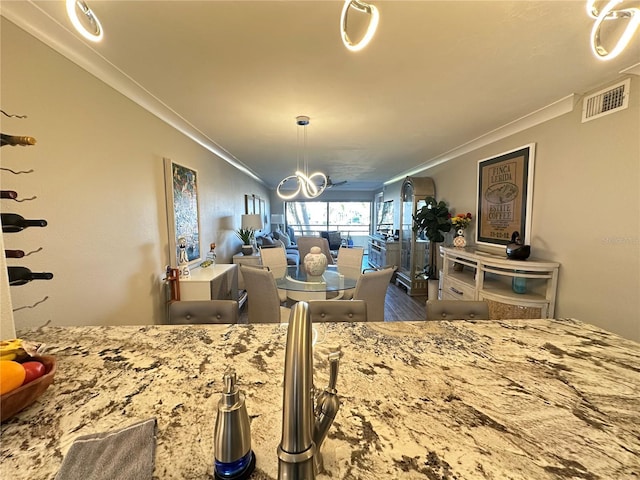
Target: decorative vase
[
  {"x": 211, "y": 256},
  {"x": 459, "y": 241},
  {"x": 519, "y": 284},
  {"x": 247, "y": 250},
  {"x": 315, "y": 263}
]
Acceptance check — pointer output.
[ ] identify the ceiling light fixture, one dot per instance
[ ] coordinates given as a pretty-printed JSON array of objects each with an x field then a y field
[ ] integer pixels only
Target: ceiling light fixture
[
  {"x": 609, "y": 13},
  {"x": 305, "y": 183},
  {"x": 371, "y": 29},
  {"x": 84, "y": 20}
]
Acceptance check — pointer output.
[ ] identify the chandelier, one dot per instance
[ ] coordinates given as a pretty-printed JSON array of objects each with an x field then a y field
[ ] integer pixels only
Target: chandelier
[
  {"x": 310, "y": 186},
  {"x": 84, "y": 20},
  {"x": 363, "y": 7},
  {"x": 609, "y": 12}
]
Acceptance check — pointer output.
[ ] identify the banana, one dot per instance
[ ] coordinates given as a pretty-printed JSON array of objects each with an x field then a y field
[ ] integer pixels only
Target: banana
[
  {"x": 11, "y": 349},
  {"x": 19, "y": 350}
]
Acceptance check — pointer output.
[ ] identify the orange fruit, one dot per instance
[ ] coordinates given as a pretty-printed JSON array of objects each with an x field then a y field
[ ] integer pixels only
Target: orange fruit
[{"x": 11, "y": 376}]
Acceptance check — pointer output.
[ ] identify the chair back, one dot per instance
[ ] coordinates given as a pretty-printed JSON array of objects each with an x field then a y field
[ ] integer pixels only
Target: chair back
[
  {"x": 276, "y": 259},
  {"x": 350, "y": 261},
  {"x": 334, "y": 238},
  {"x": 203, "y": 311},
  {"x": 262, "y": 295},
  {"x": 292, "y": 235},
  {"x": 338, "y": 310},
  {"x": 372, "y": 288},
  {"x": 305, "y": 244},
  {"x": 457, "y": 310}
]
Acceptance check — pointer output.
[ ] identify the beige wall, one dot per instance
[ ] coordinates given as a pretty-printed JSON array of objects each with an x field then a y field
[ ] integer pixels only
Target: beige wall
[
  {"x": 586, "y": 208},
  {"x": 99, "y": 180}
]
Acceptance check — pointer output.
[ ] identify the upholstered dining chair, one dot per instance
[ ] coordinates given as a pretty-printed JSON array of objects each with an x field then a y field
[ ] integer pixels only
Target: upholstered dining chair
[
  {"x": 305, "y": 244},
  {"x": 457, "y": 310},
  {"x": 338, "y": 311},
  {"x": 372, "y": 288},
  {"x": 262, "y": 296},
  {"x": 276, "y": 259},
  {"x": 349, "y": 264},
  {"x": 203, "y": 311}
]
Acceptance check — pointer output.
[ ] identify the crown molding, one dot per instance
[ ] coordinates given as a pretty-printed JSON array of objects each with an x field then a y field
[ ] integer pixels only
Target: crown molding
[{"x": 544, "y": 114}]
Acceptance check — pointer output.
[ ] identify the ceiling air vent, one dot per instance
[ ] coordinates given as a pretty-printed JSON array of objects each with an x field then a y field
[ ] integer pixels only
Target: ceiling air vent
[{"x": 606, "y": 101}]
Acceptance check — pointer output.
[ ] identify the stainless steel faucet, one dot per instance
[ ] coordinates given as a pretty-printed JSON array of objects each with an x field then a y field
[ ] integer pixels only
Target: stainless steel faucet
[{"x": 302, "y": 431}]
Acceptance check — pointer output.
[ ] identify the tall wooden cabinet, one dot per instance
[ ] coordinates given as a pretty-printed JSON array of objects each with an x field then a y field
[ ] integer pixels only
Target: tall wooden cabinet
[{"x": 414, "y": 250}]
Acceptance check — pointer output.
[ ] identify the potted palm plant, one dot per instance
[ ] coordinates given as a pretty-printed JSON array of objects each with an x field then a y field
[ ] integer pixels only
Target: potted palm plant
[
  {"x": 246, "y": 235},
  {"x": 433, "y": 219}
]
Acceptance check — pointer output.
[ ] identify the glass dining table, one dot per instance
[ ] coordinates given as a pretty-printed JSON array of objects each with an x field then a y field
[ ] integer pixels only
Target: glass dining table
[{"x": 295, "y": 279}]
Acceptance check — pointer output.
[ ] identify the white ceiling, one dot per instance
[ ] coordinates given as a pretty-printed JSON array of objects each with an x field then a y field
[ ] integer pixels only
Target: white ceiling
[{"x": 235, "y": 74}]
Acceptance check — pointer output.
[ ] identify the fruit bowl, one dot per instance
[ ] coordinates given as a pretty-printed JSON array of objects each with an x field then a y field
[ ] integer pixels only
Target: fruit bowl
[{"x": 17, "y": 400}]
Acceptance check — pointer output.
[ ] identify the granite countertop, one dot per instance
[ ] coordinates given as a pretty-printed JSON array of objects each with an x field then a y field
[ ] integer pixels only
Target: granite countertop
[{"x": 510, "y": 399}]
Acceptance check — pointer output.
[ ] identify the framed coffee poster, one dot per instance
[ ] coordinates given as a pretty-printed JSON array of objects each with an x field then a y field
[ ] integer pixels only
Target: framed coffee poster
[{"x": 504, "y": 197}]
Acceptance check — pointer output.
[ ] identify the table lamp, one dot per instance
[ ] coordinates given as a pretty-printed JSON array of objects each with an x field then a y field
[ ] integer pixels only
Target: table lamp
[{"x": 253, "y": 222}]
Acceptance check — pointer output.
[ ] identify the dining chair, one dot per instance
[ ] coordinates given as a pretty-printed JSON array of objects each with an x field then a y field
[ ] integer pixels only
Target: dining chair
[
  {"x": 276, "y": 259},
  {"x": 262, "y": 296},
  {"x": 338, "y": 311},
  {"x": 349, "y": 264},
  {"x": 457, "y": 310},
  {"x": 305, "y": 244},
  {"x": 187, "y": 312},
  {"x": 372, "y": 288}
]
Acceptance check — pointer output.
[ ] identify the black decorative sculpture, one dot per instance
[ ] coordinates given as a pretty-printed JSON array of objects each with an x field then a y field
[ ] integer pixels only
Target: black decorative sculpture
[{"x": 516, "y": 250}]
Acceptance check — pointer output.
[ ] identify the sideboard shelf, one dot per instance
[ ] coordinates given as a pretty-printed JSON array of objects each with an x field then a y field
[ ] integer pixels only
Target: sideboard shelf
[
  {"x": 469, "y": 274},
  {"x": 383, "y": 252}
]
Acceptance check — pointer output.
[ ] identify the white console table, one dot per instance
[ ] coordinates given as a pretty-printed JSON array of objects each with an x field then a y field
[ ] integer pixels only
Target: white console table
[
  {"x": 470, "y": 274},
  {"x": 218, "y": 282}
]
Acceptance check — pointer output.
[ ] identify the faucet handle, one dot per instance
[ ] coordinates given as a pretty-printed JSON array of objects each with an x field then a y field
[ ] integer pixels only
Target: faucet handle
[{"x": 334, "y": 362}]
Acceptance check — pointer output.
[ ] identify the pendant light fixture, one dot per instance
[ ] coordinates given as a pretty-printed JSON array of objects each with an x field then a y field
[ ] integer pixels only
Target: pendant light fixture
[
  {"x": 609, "y": 12},
  {"x": 84, "y": 20},
  {"x": 371, "y": 29},
  {"x": 310, "y": 186}
]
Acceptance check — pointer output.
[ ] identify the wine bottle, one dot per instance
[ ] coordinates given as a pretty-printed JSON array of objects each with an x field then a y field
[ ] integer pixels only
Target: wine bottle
[
  {"x": 10, "y": 194},
  {"x": 12, "y": 222},
  {"x": 22, "y": 275},
  {"x": 14, "y": 140},
  {"x": 14, "y": 253}
]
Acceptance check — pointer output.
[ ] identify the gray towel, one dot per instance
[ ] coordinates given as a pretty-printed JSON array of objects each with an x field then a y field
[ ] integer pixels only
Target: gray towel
[{"x": 125, "y": 454}]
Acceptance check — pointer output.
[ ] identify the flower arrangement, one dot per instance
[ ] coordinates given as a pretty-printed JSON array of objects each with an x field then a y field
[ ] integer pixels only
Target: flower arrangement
[{"x": 461, "y": 221}]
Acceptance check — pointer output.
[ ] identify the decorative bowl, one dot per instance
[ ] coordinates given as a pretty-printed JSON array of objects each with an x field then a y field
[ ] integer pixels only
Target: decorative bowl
[{"x": 17, "y": 400}]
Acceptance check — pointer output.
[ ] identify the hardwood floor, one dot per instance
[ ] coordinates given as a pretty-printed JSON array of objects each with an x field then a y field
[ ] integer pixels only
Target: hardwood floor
[{"x": 398, "y": 306}]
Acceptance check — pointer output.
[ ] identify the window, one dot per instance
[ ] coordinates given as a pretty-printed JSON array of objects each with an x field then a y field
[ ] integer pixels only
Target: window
[{"x": 351, "y": 219}]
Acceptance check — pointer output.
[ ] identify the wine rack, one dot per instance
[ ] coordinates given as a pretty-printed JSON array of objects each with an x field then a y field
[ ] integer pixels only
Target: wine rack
[{"x": 13, "y": 223}]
